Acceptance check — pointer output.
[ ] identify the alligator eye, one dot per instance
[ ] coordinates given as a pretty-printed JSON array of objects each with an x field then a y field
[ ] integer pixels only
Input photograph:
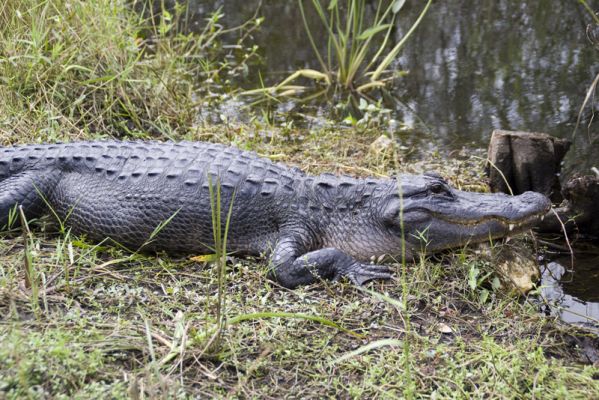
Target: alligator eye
[{"x": 437, "y": 188}]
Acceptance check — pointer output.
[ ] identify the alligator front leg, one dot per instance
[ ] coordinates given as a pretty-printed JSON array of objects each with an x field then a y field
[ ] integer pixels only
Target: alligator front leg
[{"x": 292, "y": 266}]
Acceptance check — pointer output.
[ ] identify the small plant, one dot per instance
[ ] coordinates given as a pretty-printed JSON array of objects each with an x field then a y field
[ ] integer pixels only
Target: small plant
[
  {"x": 372, "y": 115},
  {"x": 355, "y": 60},
  {"x": 220, "y": 254},
  {"x": 12, "y": 218},
  {"x": 31, "y": 274},
  {"x": 482, "y": 280}
]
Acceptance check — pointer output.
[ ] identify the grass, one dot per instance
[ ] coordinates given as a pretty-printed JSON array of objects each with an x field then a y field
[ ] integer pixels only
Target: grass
[
  {"x": 96, "y": 321},
  {"x": 71, "y": 69},
  {"x": 220, "y": 230},
  {"x": 349, "y": 55}
]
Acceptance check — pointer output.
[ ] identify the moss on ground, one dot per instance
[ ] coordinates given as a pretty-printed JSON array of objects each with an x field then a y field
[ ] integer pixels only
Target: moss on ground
[{"x": 90, "y": 321}]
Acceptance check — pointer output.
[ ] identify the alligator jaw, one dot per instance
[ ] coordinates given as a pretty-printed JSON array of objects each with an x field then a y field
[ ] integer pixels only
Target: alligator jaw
[
  {"x": 511, "y": 226},
  {"x": 466, "y": 218}
]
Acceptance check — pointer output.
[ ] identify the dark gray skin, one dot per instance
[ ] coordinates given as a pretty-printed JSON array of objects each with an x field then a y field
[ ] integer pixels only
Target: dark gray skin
[{"x": 311, "y": 226}]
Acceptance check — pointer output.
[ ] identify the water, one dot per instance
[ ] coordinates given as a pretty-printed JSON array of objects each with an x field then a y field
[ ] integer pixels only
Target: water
[
  {"x": 473, "y": 67},
  {"x": 571, "y": 293}
]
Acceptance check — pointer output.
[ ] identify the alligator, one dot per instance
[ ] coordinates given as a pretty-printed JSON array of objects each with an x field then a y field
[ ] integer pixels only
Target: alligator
[{"x": 312, "y": 227}]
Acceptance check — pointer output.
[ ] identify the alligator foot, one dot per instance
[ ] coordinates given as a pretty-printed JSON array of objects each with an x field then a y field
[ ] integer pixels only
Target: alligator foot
[
  {"x": 292, "y": 268},
  {"x": 359, "y": 273}
]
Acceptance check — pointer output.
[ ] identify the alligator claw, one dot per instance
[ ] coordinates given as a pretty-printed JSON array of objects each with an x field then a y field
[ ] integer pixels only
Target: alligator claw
[{"x": 359, "y": 274}]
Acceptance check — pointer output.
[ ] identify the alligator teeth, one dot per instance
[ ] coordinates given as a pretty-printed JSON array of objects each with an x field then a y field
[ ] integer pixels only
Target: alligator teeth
[
  {"x": 511, "y": 227},
  {"x": 542, "y": 217}
]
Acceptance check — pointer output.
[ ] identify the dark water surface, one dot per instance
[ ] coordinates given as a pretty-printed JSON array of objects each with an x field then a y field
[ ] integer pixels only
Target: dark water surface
[
  {"x": 572, "y": 293},
  {"x": 474, "y": 66}
]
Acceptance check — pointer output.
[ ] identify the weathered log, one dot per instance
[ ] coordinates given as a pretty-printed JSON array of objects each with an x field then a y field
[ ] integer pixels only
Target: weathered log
[{"x": 526, "y": 161}]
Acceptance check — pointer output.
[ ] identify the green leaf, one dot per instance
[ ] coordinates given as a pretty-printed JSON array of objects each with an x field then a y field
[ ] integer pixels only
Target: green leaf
[
  {"x": 350, "y": 120},
  {"x": 332, "y": 5},
  {"x": 395, "y": 51},
  {"x": 373, "y": 31},
  {"x": 397, "y": 6},
  {"x": 472, "y": 277},
  {"x": 495, "y": 283},
  {"x": 484, "y": 296},
  {"x": 363, "y": 104}
]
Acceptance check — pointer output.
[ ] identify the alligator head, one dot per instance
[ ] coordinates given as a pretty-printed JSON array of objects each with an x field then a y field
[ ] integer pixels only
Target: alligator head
[
  {"x": 427, "y": 215},
  {"x": 434, "y": 216}
]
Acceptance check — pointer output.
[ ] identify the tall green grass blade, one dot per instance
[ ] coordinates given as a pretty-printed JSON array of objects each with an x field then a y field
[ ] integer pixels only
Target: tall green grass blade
[
  {"x": 347, "y": 45},
  {"x": 149, "y": 340},
  {"x": 334, "y": 41},
  {"x": 310, "y": 38},
  {"x": 370, "y": 32},
  {"x": 307, "y": 317},
  {"x": 590, "y": 10},
  {"x": 13, "y": 214},
  {"x": 395, "y": 51},
  {"x": 587, "y": 98},
  {"x": 381, "y": 48},
  {"x": 162, "y": 225},
  {"x": 222, "y": 273},
  {"x": 31, "y": 274},
  {"x": 220, "y": 247}
]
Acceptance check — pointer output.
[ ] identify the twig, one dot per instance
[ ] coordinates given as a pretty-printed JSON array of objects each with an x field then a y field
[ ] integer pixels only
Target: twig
[{"x": 565, "y": 237}]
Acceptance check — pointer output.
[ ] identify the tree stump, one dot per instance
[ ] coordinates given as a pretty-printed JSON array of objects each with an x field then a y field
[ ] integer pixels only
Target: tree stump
[
  {"x": 580, "y": 210},
  {"x": 526, "y": 161}
]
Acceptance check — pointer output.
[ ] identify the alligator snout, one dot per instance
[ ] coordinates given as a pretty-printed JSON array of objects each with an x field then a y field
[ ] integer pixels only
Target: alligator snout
[{"x": 527, "y": 206}]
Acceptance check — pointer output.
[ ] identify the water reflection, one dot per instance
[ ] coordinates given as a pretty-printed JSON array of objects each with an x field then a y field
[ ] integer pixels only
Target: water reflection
[
  {"x": 573, "y": 295},
  {"x": 502, "y": 65}
]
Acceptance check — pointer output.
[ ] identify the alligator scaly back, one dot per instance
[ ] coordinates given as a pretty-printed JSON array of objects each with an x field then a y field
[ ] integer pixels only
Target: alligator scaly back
[{"x": 124, "y": 190}]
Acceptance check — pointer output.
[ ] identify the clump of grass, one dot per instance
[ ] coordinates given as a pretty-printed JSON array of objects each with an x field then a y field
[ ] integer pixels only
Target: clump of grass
[
  {"x": 358, "y": 53},
  {"x": 75, "y": 68},
  {"x": 55, "y": 361}
]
